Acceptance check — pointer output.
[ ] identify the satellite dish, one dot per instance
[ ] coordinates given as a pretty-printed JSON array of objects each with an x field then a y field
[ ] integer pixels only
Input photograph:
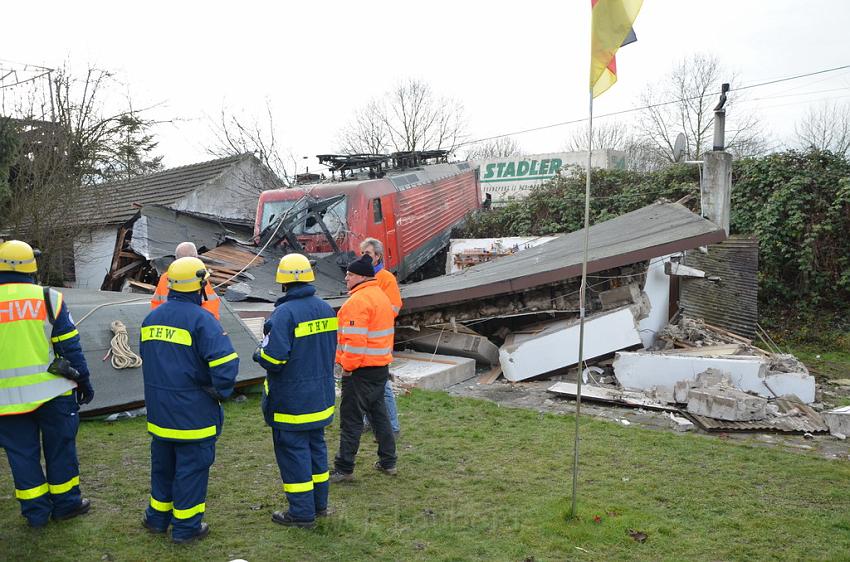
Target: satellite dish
[{"x": 679, "y": 148}]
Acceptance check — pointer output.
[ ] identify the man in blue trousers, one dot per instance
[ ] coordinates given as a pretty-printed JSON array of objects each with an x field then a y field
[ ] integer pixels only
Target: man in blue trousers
[
  {"x": 189, "y": 365},
  {"x": 39, "y": 399},
  {"x": 297, "y": 353}
]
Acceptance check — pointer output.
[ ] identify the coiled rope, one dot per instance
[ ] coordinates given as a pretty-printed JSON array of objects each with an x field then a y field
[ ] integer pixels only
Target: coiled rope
[{"x": 122, "y": 356}]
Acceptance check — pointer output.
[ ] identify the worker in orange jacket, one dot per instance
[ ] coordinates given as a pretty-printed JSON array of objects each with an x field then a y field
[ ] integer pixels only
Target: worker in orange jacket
[
  {"x": 364, "y": 351},
  {"x": 387, "y": 282},
  {"x": 210, "y": 302}
]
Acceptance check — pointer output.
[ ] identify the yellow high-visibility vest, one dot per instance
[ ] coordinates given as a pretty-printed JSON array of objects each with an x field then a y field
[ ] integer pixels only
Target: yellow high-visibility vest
[{"x": 25, "y": 330}]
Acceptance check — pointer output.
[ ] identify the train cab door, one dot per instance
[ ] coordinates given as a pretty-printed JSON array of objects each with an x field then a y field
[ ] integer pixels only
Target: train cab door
[{"x": 383, "y": 216}]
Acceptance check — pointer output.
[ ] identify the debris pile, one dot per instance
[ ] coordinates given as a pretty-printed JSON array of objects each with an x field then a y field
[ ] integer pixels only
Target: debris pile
[{"x": 717, "y": 379}]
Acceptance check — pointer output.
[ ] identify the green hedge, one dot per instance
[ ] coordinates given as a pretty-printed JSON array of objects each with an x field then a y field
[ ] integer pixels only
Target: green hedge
[{"x": 796, "y": 203}]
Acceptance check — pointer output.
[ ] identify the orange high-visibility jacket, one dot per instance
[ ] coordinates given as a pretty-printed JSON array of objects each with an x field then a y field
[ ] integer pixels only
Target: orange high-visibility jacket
[
  {"x": 210, "y": 304},
  {"x": 365, "y": 328},
  {"x": 388, "y": 284}
]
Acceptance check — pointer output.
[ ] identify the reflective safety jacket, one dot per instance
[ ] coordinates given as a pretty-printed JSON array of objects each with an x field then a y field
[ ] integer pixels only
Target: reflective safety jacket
[
  {"x": 298, "y": 356},
  {"x": 388, "y": 284},
  {"x": 210, "y": 304},
  {"x": 29, "y": 323},
  {"x": 366, "y": 328},
  {"x": 184, "y": 349}
]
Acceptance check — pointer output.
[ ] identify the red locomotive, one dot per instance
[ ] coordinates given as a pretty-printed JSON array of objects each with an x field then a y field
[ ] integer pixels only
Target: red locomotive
[{"x": 411, "y": 208}]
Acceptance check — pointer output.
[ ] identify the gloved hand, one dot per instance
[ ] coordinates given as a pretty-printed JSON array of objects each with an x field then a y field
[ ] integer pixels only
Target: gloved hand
[
  {"x": 84, "y": 392},
  {"x": 212, "y": 393},
  {"x": 256, "y": 356},
  {"x": 62, "y": 367}
]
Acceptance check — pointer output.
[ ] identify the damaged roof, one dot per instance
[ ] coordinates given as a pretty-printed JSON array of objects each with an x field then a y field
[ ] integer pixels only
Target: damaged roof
[
  {"x": 652, "y": 231},
  {"x": 117, "y": 390},
  {"x": 159, "y": 229},
  {"x": 117, "y": 202}
]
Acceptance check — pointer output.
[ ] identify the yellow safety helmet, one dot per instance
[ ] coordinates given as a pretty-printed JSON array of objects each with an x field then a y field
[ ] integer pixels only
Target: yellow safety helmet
[
  {"x": 294, "y": 267},
  {"x": 17, "y": 256},
  {"x": 186, "y": 275}
]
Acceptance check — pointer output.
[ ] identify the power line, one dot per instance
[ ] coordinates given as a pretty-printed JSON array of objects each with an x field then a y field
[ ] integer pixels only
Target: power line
[{"x": 653, "y": 105}]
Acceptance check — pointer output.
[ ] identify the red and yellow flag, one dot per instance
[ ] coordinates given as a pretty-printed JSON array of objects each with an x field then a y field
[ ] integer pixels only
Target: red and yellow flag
[{"x": 611, "y": 28}]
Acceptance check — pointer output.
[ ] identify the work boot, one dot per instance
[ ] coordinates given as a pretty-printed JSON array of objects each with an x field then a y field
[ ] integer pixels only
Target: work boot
[
  {"x": 84, "y": 507},
  {"x": 39, "y": 524},
  {"x": 203, "y": 531},
  {"x": 147, "y": 525},
  {"x": 336, "y": 477},
  {"x": 327, "y": 512},
  {"x": 285, "y": 519},
  {"x": 389, "y": 471}
]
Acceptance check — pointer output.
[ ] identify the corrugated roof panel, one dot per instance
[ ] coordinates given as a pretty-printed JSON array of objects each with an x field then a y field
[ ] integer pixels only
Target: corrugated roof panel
[
  {"x": 732, "y": 302},
  {"x": 802, "y": 419}
]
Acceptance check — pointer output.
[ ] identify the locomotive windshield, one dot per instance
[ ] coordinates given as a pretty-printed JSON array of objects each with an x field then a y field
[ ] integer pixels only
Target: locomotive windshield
[
  {"x": 273, "y": 209},
  {"x": 333, "y": 216}
]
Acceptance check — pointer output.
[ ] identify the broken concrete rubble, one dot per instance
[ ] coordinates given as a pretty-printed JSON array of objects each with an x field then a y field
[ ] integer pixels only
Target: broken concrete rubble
[
  {"x": 620, "y": 296},
  {"x": 643, "y": 371},
  {"x": 691, "y": 332},
  {"x": 680, "y": 423},
  {"x": 608, "y": 396},
  {"x": 725, "y": 403},
  {"x": 792, "y": 417},
  {"x": 529, "y": 355}
]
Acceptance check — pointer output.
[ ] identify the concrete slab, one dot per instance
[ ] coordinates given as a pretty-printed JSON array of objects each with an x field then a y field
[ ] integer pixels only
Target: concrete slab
[
  {"x": 724, "y": 403},
  {"x": 431, "y": 372},
  {"x": 556, "y": 347},
  {"x": 643, "y": 371}
]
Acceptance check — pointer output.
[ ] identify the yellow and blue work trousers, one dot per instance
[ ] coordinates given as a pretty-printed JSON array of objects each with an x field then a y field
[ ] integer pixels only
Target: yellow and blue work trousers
[
  {"x": 302, "y": 457},
  {"x": 54, "y": 424},
  {"x": 179, "y": 475}
]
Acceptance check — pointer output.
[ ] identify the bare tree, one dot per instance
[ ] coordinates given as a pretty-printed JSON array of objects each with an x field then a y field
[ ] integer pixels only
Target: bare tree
[
  {"x": 494, "y": 148},
  {"x": 617, "y": 135},
  {"x": 68, "y": 141},
  {"x": 409, "y": 117},
  {"x": 607, "y": 134},
  {"x": 367, "y": 133},
  {"x": 825, "y": 127},
  {"x": 236, "y": 134},
  {"x": 684, "y": 104}
]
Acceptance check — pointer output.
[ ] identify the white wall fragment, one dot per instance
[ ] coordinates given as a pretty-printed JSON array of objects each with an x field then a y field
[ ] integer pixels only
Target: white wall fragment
[
  {"x": 657, "y": 289},
  {"x": 555, "y": 347},
  {"x": 643, "y": 371}
]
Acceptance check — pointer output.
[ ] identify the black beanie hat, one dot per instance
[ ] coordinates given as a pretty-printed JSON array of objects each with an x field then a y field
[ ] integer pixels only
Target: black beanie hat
[{"x": 362, "y": 266}]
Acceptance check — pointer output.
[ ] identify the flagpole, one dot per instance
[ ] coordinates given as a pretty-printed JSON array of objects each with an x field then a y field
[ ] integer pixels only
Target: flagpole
[{"x": 582, "y": 293}]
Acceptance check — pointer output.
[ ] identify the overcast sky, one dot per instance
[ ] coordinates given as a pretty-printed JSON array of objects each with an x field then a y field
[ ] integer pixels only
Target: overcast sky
[{"x": 513, "y": 65}]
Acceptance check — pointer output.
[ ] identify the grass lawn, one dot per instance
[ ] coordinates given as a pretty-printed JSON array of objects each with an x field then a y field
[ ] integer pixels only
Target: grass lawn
[{"x": 476, "y": 482}]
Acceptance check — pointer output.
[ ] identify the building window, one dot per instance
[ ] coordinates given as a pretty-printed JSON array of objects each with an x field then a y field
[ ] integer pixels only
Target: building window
[{"x": 376, "y": 210}]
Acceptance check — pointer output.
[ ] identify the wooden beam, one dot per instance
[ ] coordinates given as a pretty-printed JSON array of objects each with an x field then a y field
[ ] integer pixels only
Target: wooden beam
[
  {"x": 490, "y": 376},
  {"x": 126, "y": 269}
]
